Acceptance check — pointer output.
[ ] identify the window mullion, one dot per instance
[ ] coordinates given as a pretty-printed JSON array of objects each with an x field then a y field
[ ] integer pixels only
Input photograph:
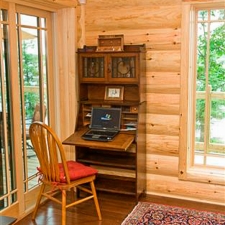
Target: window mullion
[
  {"x": 207, "y": 93},
  {"x": 207, "y": 121}
]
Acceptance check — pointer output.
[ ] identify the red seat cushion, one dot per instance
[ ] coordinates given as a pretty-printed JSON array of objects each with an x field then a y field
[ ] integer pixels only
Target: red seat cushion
[{"x": 76, "y": 170}]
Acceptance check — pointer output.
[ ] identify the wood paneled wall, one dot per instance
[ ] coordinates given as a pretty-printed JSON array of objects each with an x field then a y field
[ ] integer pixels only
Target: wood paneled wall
[{"x": 156, "y": 23}]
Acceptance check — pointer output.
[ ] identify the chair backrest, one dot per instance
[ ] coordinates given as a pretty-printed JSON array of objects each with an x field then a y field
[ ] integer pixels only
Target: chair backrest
[{"x": 49, "y": 151}]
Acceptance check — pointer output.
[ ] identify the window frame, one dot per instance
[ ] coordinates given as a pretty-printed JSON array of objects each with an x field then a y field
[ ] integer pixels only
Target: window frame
[{"x": 186, "y": 170}]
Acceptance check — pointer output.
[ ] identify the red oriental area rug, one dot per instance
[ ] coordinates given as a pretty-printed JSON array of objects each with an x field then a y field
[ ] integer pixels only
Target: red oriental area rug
[{"x": 145, "y": 213}]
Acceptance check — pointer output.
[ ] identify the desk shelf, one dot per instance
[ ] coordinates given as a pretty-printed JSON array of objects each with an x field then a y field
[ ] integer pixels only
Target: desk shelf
[
  {"x": 116, "y": 184},
  {"x": 123, "y": 160}
]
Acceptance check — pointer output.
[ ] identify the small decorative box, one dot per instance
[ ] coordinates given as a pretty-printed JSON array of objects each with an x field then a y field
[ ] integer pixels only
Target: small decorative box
[{"x": 110, "y": 43}]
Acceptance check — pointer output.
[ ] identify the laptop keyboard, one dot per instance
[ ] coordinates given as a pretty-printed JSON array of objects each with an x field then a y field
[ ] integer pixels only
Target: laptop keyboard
[{"x": 101, "y": 132}]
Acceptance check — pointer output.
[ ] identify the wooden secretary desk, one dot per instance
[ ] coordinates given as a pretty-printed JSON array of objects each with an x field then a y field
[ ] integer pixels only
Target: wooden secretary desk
[{"x": 114, "y": 79}]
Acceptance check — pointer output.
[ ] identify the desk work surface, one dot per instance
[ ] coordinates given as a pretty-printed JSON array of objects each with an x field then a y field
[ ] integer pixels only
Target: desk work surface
[{"x": 122, "y": 141}]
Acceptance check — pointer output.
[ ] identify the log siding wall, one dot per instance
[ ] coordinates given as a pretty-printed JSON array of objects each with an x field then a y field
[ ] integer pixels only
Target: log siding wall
[{"x": 157, "y": 24}]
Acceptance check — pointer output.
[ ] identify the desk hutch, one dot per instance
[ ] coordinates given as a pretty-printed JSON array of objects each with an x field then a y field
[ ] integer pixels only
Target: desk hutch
[{"x": 122, "y": 162}]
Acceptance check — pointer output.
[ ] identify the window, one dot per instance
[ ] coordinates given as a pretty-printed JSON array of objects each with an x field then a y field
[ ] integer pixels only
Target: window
[
  {"x": 202, "y": 147},
  {"x": 32, "y": 36},
  {"x": 209, "y": 104}
]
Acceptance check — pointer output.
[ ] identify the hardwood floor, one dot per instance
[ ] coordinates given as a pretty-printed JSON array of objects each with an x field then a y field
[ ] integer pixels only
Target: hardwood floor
[{"x": 114, "y": 210}]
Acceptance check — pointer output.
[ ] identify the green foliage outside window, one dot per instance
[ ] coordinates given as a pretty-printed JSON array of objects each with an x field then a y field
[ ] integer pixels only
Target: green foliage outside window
[{"x": 31, "y": 77}]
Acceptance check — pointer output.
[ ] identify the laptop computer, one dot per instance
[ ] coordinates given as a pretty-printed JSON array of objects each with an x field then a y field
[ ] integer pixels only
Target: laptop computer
[{"x": 105, "y": 124}]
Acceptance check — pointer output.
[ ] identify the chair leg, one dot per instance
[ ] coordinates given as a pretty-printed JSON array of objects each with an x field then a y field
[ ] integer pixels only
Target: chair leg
[
  {"x": 63, "y": 207},
  {"x": 96, "y": 200},
  {"x": 38, "y": 201}
]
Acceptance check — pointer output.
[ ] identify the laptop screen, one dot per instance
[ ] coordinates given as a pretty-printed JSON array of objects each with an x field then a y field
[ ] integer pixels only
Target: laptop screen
[{"x": 105, "y": 118}]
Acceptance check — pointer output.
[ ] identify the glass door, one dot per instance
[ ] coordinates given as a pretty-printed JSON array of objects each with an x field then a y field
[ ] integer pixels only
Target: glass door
[
  {"x": 7, "y": 152},
  {"x": 33, "y": 71}
]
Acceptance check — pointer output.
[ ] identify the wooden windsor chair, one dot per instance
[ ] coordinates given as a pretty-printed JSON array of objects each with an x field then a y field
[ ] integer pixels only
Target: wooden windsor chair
[{"x": 59, "y": 174}]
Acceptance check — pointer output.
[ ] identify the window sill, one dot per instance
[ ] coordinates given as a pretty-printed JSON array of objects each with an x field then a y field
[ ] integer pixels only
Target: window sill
[{"x": 206, "y": 175}]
